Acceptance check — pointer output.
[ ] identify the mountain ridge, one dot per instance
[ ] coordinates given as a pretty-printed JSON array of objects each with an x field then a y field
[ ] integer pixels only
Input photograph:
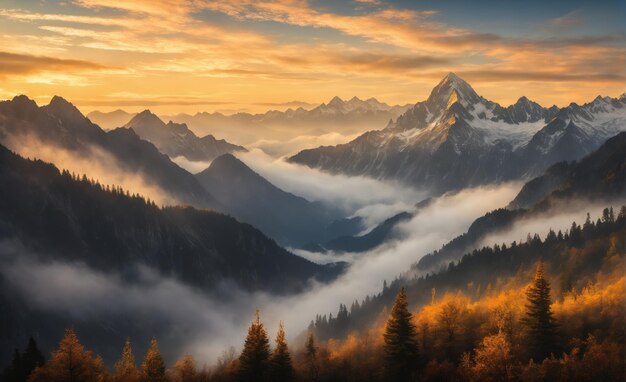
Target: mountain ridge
[{"x": 456, "y": 139}]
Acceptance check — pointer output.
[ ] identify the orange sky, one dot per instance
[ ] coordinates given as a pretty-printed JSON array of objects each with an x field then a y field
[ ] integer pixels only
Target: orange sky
[{"x": 188, "y": 56}]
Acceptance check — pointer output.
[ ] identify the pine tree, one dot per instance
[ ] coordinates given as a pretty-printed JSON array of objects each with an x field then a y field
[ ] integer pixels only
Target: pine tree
[
  {"x": 70, "y": 363},
  {"x": 311, "y": 358},
  {"x": 401, "y": 349},
  {"x": 23, "y": 364},
  {"x": 254, "y": 359},
  {"x": 540, "y": 325},
  {"x": 125, "y": 367},
  {"x": 153, "y": 366},
  {"x": 32, "y": 357},
  {"x": 281, "y": 368}
]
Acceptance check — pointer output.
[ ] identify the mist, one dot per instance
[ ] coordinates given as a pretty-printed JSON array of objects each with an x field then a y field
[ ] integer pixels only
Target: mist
[
  {"x": 94, "y": 162},
  {"x": 281, "y": 148},
  {"x": 191, "y": 321},
  {"x": 559, "y": 217},
  {"x": 368, "y": 198}
]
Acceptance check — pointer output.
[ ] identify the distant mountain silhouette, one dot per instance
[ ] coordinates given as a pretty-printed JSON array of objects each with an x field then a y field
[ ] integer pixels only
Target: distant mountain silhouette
[
  {"x": 176, "y": 139},
  {"x": 110, "y": 120},
  {"x": 290, "y": 219}
]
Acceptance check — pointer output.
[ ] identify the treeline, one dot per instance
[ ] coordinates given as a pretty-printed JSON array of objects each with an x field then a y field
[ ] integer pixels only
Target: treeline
[
  {"x": 484, "y": 270},
  {"x": 547, "y": 309}
]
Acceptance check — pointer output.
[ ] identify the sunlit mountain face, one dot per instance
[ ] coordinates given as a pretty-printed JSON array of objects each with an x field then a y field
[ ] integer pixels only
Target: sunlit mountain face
[{"x": 364, "y": 190}]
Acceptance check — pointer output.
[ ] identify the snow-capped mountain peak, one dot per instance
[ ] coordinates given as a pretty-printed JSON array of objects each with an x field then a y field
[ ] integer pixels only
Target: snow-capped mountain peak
[{"x": 450, "y": 84}]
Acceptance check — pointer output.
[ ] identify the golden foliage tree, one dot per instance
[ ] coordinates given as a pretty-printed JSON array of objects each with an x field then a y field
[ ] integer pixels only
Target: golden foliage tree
[
  {"x": 70, "y": 363},
  {"x": 185, "y": 369},
  {"x": 153, "y": 366},
  {"x": 125, "y": 368},
  {"x": 281, "y": 368},
  {"x": 492, "y": 362}
]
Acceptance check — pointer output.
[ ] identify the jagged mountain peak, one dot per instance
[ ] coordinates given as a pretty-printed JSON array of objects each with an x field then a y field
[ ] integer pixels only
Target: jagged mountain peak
[
  {"x": 452, "y": 86},
  {"x": 146, "y": 117},
  {"x": 23, "y": 102},
  {"x": 335, "y": 101},
  {"x": 62, "y": 107}
]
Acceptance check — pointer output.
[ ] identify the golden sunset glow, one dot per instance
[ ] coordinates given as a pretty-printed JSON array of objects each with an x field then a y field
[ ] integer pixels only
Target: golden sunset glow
[{"x": 188, "y": 56}]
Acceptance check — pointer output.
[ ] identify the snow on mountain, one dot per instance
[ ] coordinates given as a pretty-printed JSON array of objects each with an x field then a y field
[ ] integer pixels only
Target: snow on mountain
[{"x": 456, "y": 138}]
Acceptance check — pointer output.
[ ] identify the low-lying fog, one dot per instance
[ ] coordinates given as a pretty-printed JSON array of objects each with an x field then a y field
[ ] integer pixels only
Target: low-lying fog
[{"x": 195, "y": 323}]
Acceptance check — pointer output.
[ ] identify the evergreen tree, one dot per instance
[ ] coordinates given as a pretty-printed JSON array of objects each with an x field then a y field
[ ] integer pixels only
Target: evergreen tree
[
  {"x": 310, "y": 354},
  {"x": 540, "y": 325},
  {"x": 253, "y": 361},
  {"x": 125, "y": 367},
  {"x": 281, "y": 368},
  {"x": 401, "y": 349},
  {"x": 32, "y": 358},
  {"x": 23, "y": 364},
  {"x": 153, "y": 366},
  {"x": 70, "y": 363}
]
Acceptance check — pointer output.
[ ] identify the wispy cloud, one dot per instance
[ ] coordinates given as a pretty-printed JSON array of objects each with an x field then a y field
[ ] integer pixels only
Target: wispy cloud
[{"x": 11, "y": 63}]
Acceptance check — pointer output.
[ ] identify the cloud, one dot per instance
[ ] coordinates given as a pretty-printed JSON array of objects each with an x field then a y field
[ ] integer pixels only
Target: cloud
[
  {"x": 281, "y": 148},
  {"x": 529, "y": 75},
  {"x": 203, "y": 323},
  {"x": 94, "y": 162},
  {"x": 567, "y": 21},
  {"x": 21, "y": 64},
  {"x": 302, "y": 104},
  {"x": 349, "y": 193}
]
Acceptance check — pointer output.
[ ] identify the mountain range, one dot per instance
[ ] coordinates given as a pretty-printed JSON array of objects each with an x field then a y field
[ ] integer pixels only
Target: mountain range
[
  {"x": 337, "y": 115},
  {"x": 458, "y": 139},
  {"x": 175, "y": 139},
  {"x": 60, "y": 125}
]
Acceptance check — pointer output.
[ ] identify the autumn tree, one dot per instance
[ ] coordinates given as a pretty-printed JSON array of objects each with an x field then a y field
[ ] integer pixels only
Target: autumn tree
[
  {"x": 70, "y": 362},
  {"x": 125, "y": 368},
  {"x": 538, "y": 319},
  {"x": 310, "y": 354},
  {"x": 400, "y": 341},
  {"x": 254, "y": 359},
  {"x": 281, "y": 368},
  {"x": 185, "y": 369},
  {"x": 492, "y": 362},
  {"x": 153, "y": 366}
]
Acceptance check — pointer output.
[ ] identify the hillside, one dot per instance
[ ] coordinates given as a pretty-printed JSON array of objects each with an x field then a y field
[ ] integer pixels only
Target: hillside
[{"x": 289, "y": 219}]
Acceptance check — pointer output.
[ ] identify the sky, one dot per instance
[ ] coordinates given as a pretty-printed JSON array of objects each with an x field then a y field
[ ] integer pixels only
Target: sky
[{"x": 243, "y": 55}]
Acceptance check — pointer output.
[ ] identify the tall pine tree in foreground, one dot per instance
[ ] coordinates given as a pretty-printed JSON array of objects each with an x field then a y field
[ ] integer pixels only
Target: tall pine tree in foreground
[
  {"x": 540, "y": 325},
  {"x": 153, "y": 365},
  {"x": 254, "y": 359},
  {"x": 281, "y": 369},
  {"x": 401, "y": 352},
  {"x": 310, "y": 355},
  {"x": 70, "y": 362},
  {"x": 125, "y": 368}
]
